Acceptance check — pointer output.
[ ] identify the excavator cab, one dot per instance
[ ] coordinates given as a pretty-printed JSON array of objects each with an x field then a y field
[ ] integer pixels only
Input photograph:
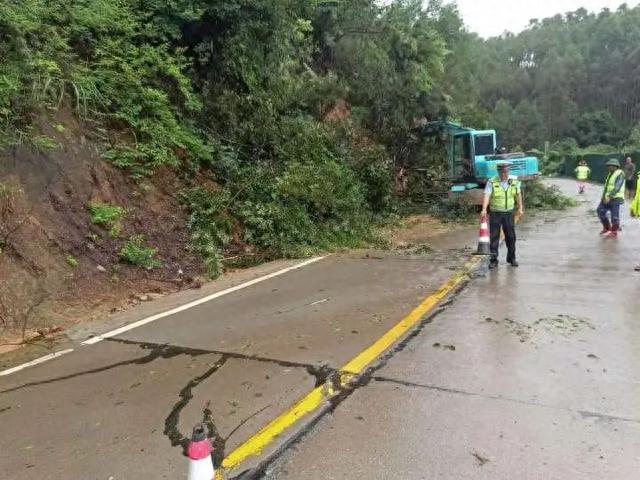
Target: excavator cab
[{"x": 473, "y": 157}]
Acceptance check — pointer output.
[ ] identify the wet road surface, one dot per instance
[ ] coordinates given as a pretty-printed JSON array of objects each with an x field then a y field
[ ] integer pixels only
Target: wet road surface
[
  {"x": 120, "y": 409},
  {"x": 527, "y": 373},
  {"x": 530, "y": 373}
]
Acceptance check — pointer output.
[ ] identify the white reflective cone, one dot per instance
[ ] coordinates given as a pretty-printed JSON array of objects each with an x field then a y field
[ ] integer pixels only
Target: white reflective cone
[{"x": 199, "y": 453}]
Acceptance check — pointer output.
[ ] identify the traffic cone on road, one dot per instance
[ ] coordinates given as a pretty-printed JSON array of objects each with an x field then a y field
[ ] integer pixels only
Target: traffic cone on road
[
  {"x": 199, "y": 453},
  {"x": 483, "y": 238}
]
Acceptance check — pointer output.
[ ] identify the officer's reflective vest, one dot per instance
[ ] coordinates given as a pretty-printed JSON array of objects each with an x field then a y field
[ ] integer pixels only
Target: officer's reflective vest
[
  {"x": 610, "y": 185},
  {"x": 503, "y": 200}
]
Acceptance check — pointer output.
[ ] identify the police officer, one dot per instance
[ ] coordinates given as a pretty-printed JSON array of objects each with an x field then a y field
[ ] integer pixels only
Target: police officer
[
  {"x": 612, "y": 199},
  {"x": 501, "y": 196}
]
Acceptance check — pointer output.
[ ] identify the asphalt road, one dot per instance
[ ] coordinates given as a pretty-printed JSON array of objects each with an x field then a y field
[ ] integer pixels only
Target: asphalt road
[
  {"x": 530, "y": 373},
  {"x": 526, "y": 373},
  {"x": 121, "y": 408}
]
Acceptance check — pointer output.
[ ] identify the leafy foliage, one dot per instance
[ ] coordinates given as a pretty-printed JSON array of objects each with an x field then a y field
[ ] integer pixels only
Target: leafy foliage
[
  {"x": 71, "y": 260},
  {"x": 572, "y": 75},
  {"x": 310, "y": 206},
  {"x": 210, "y": 226},
  {"x": 136, "y": 252},
  {"x": 43, "y": 143},
  {"x": 103, "y": 58},
  {"x": 540, "y": 196},
  {"x": 105, "y": 214},
  {"x": 302, "y": 112}
]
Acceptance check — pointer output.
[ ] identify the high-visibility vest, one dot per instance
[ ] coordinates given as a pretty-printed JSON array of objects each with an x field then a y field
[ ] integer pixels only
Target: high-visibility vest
[
  {"x": 635, "y": 205},
  {"x": 610, "y": 185},
  {"x": 503, "y": 200},
  {"x": 583, "y": 172}
]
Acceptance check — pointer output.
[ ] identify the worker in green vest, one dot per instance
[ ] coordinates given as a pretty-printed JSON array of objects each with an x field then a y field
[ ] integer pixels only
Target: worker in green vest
[
  {"x": 502, "y": 196},
  {"x": 612, "y": 199},
  {"x": 583, "y": 172},
  {"x": 635, "y": 207}
]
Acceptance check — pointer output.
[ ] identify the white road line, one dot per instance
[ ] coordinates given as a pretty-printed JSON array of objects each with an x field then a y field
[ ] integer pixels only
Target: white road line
[
  {"x": 153, "y": 318},
  {"x": 324, "y": 300},
  {"x": 37, "y": 361}
]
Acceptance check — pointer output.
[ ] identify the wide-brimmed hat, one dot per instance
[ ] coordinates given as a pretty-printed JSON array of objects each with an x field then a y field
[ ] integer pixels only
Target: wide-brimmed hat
[{"x": 614, "y": 162}]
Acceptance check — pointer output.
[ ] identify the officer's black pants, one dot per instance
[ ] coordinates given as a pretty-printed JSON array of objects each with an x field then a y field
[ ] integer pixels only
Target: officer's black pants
[{"x": 506, "y": 222}]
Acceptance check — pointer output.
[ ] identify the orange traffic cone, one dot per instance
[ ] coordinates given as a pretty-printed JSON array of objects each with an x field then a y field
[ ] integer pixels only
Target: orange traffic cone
[
  {"x": 483, "y": 238},
  {"x": 199, "y": 453}
]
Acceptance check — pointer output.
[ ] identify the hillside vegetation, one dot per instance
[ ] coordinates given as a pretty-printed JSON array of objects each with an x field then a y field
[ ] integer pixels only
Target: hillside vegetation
[
  {"x": 237, "y": 92},
  {"x": 156, "y": 141},
  {"x": 141, "y": 135}
]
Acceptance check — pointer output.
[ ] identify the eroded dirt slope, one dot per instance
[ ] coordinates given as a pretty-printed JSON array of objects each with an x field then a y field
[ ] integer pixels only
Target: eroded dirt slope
[{"x": 45, "y": 227}]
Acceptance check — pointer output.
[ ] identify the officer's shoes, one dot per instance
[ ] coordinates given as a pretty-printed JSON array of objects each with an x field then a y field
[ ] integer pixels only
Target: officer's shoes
[
  {"x": 493, "y": 263},
  {"x": 514, "y": 263}
]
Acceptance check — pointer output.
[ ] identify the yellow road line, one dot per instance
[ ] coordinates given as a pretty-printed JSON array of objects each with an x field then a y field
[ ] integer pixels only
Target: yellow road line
[{"x": 316, "y": 397}]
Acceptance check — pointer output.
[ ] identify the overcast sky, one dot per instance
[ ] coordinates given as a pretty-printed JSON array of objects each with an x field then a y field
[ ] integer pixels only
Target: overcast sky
[{"x": 492, "y": 17}]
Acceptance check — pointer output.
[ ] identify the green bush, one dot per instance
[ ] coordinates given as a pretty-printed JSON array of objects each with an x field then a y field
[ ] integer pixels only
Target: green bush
[
  {"x": 306, "y": 190},
  {"x": 453, "y": 209},
  {"x": 136, "y": 252},
  {"x": 539, "y": 196},
  {"x": 306, "y": 207},
  {"x": 111, "y": 63},
  {"x": 283, "y": 230},
  {"x": 105, "y": 214},
  {"x": 42, "y": 143},
  {"x": 210, "y": 226},
  {"x": 374, "y": 169},
  {"x": 5, "y": 191}
]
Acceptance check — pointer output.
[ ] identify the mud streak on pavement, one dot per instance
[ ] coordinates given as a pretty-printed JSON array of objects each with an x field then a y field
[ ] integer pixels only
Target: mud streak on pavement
[
  {"x": 321, "y": 374},
  {"x": 156, "y": 352}
]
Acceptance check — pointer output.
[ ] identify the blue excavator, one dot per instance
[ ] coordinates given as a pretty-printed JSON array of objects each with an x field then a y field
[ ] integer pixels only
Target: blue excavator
[{"x": 473, "y": 157}]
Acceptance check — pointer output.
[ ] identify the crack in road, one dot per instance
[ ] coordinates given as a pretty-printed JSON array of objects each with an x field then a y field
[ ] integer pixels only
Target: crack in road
[
  {"x": 583, "y": 413},
  {"x": 186, "y": 394},
  {"x": 342, "y": 391},
  {"x": 218, "y": 441},
  {"x": 157, "y": 351},
  {"x": 319, "y": 372},
  {"x": 243, "y": 422},
  {"x": 167, "y": 351},
  {"x": 340, "y": 385}
]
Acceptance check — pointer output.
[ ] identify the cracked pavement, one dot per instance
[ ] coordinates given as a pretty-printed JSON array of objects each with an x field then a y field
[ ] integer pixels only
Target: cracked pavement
[
  {"x": 529, "y": 373},
  {"x": 121, "y": 409}
]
